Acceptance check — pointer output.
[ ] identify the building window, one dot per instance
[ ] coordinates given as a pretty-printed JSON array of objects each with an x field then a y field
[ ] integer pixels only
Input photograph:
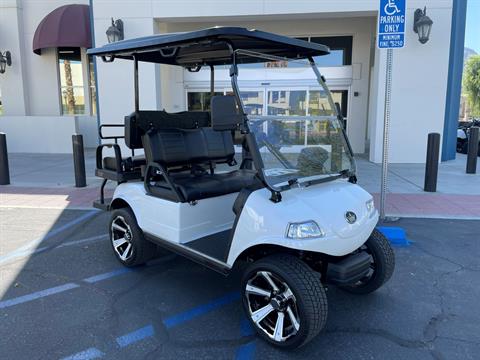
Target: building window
[
  {"x": 72, "y": 83},
  {"x": 91, "y": 86},
  {"x": 340, "y": 50},
  {"x": 72, "y": 89}
]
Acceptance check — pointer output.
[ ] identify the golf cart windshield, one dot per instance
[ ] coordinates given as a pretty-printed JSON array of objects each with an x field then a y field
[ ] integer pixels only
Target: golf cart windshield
[{"x": 298, "y": 132}]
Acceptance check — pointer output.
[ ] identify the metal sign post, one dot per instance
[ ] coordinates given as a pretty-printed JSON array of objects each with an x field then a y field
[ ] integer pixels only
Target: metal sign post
[{"x": 391, "y": 35}]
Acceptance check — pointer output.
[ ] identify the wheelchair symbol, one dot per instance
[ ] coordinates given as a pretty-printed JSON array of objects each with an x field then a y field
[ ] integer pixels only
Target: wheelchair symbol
[{"x": 391, "y": 8}]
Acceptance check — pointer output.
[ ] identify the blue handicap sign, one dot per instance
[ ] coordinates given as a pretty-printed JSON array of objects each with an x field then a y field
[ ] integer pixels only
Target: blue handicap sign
[{"x": 391, "y": 24}]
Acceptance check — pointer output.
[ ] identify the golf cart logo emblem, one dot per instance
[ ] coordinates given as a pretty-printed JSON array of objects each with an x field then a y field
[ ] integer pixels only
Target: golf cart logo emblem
[{"x": 351, "y": 217}]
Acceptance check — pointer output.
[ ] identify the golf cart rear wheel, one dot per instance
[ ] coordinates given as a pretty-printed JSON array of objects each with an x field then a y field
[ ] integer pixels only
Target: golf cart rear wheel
[
  {"x": 284, "y": 300},
  {"x": 381, "y": 268},
  {"x": 128, "y": 242}
]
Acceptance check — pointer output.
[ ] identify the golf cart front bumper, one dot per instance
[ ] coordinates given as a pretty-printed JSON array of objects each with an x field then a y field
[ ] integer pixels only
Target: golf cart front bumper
[{"x": 350, "y": 269}]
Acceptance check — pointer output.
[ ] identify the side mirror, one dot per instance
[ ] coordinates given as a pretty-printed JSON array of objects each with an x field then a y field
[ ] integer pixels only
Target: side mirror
[{"x": 224, "y": 113}]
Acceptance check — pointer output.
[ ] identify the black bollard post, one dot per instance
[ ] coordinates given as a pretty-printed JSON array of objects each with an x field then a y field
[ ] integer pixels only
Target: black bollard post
[
  {"x": 431, "y": 165},
  {"x": 4, "y": 169},
  {"x": 79, "y": 161},
  {"x": 472, "y": 150}
]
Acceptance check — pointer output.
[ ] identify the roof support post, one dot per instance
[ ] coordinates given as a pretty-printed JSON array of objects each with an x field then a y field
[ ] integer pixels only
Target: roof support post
[
  {"x": 135, "y": 83},
  {"x": 212, "y": 80},
  {"x": 251, "y": 142}
]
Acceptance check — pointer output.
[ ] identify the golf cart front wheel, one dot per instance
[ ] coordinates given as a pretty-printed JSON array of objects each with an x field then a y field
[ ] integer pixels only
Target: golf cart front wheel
[
  {"x": 284, "y": 300},
  {"x": 381, "y": 267},
  {"x": 128, "y": 243}
]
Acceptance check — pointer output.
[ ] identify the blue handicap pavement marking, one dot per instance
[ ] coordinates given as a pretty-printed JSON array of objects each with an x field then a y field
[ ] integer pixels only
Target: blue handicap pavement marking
[
  {"x": 247, "y": 350},
  {"x": 396, "y": 235},
  {"x": 391, "y": 24},
  {"x": 246, "y": 328},
  {"x": 135, "y": 336},
  {"x": 244, "y": 352},
  {"x": 200, "y": 310}
]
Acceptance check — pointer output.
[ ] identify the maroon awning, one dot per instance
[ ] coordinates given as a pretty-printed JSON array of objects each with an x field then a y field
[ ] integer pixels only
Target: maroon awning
[{"x": 66, "y": 26}]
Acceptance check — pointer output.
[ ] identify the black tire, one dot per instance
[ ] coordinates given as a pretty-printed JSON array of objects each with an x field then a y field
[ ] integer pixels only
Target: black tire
[
  {"x": 383, "y": 265},
  {"x": 141, "y": 250},
  {"x": 462, "y": 146},
  {"x": 309, "y": 298}
]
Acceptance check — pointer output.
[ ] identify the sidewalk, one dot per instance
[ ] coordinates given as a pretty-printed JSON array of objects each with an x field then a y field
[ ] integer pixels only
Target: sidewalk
[{"x": 47, "y": 181}]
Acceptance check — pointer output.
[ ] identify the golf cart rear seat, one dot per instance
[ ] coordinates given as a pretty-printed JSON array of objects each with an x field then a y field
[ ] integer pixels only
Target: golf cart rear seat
[
  {"x": 120, "y": 169},
  {"x": 196, "y": 149}
]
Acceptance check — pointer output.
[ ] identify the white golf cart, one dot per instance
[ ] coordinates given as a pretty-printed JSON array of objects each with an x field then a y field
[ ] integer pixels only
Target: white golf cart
[{"x": 274, "y": 193}]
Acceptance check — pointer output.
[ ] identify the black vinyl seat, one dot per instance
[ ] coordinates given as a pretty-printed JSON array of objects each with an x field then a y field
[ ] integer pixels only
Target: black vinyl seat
[
  {"x": 194, "y": 187},
  {"x": 127, "y": 164},
  {"x": 193, "y": 147}
]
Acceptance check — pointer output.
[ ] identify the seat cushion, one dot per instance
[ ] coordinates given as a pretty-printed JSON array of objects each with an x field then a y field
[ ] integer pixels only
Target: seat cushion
[
  {"x": 210, "y": 185},
  {"x": 128, "y": 163}
]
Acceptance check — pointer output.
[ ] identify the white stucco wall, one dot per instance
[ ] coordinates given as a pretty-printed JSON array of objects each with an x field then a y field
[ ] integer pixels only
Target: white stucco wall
[
  {"x": 420, "y": 75},
  {"x": 38, "y": 134}
]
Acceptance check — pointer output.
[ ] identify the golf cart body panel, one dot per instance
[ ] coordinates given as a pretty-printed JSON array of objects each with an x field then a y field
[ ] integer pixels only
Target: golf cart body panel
[
  {"x": 178, "y": 222},
  {"x": 264, "y": 222}
]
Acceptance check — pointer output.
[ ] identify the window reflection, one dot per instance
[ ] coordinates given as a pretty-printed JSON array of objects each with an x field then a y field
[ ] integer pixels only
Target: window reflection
[
  {"x": 253, "y": 102},
  {"x": 200, "y": 101},
  {"x": 287, "y": 102},
  {"x": 71, "y": 81}
]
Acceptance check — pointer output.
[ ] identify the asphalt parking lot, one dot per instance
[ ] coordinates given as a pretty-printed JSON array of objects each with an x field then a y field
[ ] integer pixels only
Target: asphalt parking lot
[{"x": 64, "y": 295}]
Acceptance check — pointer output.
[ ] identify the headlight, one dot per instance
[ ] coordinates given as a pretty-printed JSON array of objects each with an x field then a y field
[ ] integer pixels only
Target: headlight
[
  {"x": 304, "y": 230},
  {"x": 370, "y": 204}
]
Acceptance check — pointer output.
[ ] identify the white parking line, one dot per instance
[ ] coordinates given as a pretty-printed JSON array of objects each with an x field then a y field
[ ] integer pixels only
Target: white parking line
[
  {"x": 58, "y": 289},
  {"x": 17, "y": 254},
  {"x": 72, "y": 285},
  {"x": 97, "y": 278},
  {"x": 37, "y": 295},
  {"x": 91, "y": 353}
]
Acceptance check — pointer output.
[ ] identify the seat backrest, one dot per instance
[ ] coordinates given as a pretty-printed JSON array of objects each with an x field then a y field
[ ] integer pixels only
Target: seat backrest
[
  {"x": 138, "y": 123},
  {"x": 175, "y": 147},
  {"x": 219, "y": 145},
  {"x": 224, "y": 113}
]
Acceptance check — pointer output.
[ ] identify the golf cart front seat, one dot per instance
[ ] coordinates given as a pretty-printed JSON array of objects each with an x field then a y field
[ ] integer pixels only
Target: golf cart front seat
[{"x": 194, "y": 148}]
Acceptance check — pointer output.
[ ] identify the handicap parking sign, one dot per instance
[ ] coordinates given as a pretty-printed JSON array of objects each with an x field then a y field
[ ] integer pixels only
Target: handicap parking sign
[{"x": 391, "y": 24}]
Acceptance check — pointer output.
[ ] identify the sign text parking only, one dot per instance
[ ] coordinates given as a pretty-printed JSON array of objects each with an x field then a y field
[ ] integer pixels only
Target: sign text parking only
[{"x": 391, "y": 24}]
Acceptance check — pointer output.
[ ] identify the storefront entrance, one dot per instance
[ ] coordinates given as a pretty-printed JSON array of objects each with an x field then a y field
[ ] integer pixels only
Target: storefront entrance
[{"x": 274, "y": 100}]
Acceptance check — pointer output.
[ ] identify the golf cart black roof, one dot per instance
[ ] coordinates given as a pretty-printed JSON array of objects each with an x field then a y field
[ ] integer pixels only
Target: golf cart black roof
[{"x": 209, "y": 47}]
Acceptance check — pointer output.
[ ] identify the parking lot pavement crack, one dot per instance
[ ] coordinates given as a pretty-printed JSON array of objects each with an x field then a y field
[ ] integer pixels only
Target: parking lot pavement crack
[
  {"x": 430, "y": 332},
  {"x": 217, "y": 343},
  {"x": 406, "y": 343},
  {"x": 441, "y": 337},
  {"x": 463, "y": 267}
]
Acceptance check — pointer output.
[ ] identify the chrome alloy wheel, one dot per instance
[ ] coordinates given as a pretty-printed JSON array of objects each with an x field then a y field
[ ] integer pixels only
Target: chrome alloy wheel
[
  {"x": 272, "y": 306},
  {"x": 121, "y": 236}
]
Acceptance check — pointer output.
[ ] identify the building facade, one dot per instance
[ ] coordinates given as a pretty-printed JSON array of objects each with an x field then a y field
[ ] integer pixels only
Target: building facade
[{"x": 41, "y": 93}]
